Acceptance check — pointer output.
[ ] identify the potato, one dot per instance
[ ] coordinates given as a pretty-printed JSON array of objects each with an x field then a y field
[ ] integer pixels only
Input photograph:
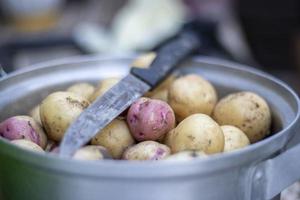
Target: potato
[
  {"x": 91, "y": 152},
  {"x": 26, "y": 144},
  {"x": 198, "y": 132},
  {"x": 59, "y": 110},
  {"x": 115, "y": 137},
  {"x": 247, "y": 111},
  {"x": 191, "y": 94},
  {"x": 144, "y": 60},
  {"x": 234, "y": 138},
  {"x": 150, "y": 119},
  {"x": 103, "y": 86},
  {"x": 35, "y": 114},
  {"x": 85, "y": 90},
  {"x": 23, "y": 127},
  {"x": 147, "y": 150},
  {"x": 169, "y": 137},
  {"x": 186, "y": 155}
]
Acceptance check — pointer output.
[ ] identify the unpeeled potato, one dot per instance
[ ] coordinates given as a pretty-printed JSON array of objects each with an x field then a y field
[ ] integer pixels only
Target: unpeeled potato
[
  {"x": 235, "y": 138},
  {"x": 35, "y": 114},
  {"x": 85, "y": 90},
  {"x": 59, "y": 110},
  {"x": 26, "y": 144},
  {"x": 198, "y": 132},
  {"x": 115, "y": 137},
  {"x": 247, "y": 111},
  {"x": 191, "y": 94}
]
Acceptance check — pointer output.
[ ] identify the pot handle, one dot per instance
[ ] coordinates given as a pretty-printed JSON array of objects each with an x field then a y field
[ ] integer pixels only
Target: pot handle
[{"x": 275, "y": 174}]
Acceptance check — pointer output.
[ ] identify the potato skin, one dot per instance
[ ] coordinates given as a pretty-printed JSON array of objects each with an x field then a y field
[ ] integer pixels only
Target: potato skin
[
  {"x": 247, "y": 111},
  {"x": 191, "y": 94},
  {"x": 147, "y": 150},
  {"x": 198, "y": 132},
  {"x": 35, "y": 114},
  {"x": 103, "y": 86},
  {"x": 91, "y": 152},
  {"x": 115, "y": 137},
  {"x": 59, "y": 110},
  {"x": 85, "y": 90},
  {"x": 150, "y": 119},
  {"x": 186, "y": 155},
  {"x": 235, "y": 138},
  {"x": 23, "y": 127},
  {"x": 167, "y": 140},
  {"x": 26, "y": 144}
]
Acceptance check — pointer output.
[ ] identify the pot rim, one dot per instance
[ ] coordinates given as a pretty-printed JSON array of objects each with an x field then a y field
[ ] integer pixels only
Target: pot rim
[{"x": 151, "y": 169}]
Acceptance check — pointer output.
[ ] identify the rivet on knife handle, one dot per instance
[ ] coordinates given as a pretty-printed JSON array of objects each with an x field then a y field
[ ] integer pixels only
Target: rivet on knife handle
[{"x": 167, "y": 57}]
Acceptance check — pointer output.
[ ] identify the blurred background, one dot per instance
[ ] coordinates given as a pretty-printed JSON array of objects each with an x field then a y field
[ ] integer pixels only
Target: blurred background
[{"x": 264, "y": 34}]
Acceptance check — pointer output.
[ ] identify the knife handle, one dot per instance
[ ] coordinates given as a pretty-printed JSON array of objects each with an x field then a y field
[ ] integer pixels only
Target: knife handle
[{"x": 168, "y": 57}]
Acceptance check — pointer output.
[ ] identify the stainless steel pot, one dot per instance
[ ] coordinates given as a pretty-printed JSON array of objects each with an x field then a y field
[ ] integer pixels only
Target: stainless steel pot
[{"x": 259, "y": 171}]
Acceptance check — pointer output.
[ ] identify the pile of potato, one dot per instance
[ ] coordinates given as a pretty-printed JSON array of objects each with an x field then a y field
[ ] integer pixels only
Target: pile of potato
[{"x": 179, "y": 120}]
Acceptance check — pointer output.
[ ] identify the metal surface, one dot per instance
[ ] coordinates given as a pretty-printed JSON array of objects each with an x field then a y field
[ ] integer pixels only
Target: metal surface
[
  {"x": 232, "y": 176},
  {"x": 101, "y": 112}
]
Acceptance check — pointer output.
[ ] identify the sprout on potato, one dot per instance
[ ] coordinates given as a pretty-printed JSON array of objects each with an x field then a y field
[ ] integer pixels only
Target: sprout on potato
[
  {"x": 150, "y": 119},
  {"x": 23, "y": 127},
  {"x": 234, "y": 138},
  {"x": 191, "y": 94},
  {"x": 198, "y": 132},
  {"x": 59, "y": 110},
  {"x": 115, "y": 137},
  {"x": 247, "y": 111},
  {"x": 147, "y": 150}
]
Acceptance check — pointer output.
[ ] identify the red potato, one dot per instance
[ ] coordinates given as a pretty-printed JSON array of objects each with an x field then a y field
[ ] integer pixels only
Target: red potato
[
  {"x": 23, "y": 127},
  {"x": 150, "y": 119},
  {"x": 147, "y": 150}
]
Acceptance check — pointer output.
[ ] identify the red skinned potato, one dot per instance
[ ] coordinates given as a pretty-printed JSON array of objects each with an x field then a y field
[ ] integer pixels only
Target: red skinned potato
[
  {"x": 150, "y": 119},
  {"x": 147, "y": 150},
  {"x": 23, "y": 127}
]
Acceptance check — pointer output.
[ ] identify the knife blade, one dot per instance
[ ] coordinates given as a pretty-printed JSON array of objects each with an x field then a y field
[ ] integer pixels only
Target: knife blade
[{"x": 123, "y": 94}]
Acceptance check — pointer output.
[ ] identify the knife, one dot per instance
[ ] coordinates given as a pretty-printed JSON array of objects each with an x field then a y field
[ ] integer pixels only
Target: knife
[{"x": 123, "y": 94}]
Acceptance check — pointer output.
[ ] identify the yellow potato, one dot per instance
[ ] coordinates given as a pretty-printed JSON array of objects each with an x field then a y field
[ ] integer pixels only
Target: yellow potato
[
  {"x": 91, "y": 152},
  {"x": 59, "y": 110},
  {"x": 198, "y": 132},
  {"x": 234, "y": 138},
  {"x": 186, "y": 155},
  {"x": 35, "y": 114},
  {"x": 26, "y": 144},
  {"x": 85, "y": 90},
  {"x": 247, "y": 111},
  {"x": 115, "y": 137},
  {"x": 103, "y": 86},
  {"x": 144, "y": 60},
  {"x": 147, "y": 150},
  {"x": 167, "y": 140},
  {"x": 191, "y": 94}
]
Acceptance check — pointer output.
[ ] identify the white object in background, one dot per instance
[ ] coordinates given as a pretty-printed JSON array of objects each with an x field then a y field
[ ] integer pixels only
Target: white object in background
[{"x": 142, "y": 24}]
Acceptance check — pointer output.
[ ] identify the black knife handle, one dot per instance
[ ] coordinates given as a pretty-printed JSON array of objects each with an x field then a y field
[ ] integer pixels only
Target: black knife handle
[{"x": 168, "y": 57}]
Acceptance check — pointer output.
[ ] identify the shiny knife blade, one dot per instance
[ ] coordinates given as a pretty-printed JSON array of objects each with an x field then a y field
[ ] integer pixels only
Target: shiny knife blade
[{"x": 100, "y": 113}]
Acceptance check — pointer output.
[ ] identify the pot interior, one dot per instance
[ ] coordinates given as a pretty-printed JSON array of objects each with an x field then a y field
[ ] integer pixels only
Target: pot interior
[{"x": 22, "y": 91}]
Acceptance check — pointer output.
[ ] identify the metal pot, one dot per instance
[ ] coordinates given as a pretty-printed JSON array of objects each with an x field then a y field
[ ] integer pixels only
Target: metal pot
[{"x": 259, "y": 171}]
